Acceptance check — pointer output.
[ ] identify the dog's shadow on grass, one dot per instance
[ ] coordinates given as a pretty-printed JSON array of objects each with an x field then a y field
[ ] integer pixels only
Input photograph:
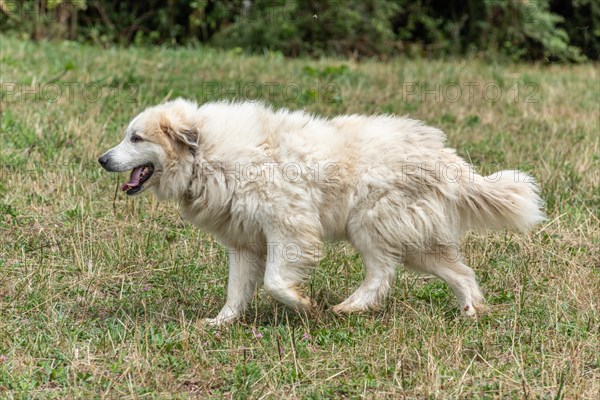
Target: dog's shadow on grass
[{"x": 266, "y": 312}]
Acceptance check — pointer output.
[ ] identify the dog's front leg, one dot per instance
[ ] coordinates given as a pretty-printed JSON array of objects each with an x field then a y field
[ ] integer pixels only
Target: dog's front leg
[
  {"x": 289, "y": 263},
  {"x": 246, "y": 271}
]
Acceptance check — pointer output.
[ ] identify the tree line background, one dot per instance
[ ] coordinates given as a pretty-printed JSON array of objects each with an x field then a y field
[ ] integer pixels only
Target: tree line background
[{"x": 567, "y": 30}]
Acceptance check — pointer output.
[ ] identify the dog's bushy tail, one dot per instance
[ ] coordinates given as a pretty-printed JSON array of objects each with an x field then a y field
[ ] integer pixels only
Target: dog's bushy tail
[{"x": 506, "y": 199}]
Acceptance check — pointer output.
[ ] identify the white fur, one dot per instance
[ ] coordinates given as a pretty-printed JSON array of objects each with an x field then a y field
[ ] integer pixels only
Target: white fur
[{"x": 272, "y": 185}]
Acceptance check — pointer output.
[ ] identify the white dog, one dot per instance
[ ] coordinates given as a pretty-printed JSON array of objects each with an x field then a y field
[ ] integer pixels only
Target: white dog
[{"x": 272, "y": 185}]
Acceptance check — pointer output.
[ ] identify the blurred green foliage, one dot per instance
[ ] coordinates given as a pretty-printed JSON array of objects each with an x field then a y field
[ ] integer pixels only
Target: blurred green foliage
[{"x": 517, "y": 29}]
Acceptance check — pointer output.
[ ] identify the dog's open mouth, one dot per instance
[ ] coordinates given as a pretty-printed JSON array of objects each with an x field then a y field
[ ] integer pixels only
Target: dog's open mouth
[{"x": 138, "y": 176}]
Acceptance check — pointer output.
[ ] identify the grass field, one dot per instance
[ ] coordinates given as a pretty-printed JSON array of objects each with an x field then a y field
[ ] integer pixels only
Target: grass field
[{"x": 100, "y": 294}]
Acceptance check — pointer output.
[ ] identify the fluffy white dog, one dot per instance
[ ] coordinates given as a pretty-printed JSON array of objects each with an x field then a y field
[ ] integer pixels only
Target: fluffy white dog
[{"x": 272, "y": 185}]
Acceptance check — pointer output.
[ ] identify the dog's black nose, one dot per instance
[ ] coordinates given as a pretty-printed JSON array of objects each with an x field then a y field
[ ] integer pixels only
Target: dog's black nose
[{"x": 103, "y": 160}]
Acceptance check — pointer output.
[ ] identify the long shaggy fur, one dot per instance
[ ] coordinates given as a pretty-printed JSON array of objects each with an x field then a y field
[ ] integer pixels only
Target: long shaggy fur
[{"x": 272, "y": 185}]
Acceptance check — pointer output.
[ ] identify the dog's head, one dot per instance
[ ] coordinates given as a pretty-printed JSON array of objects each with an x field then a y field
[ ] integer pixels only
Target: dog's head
[{"x": 158, "y": 149}]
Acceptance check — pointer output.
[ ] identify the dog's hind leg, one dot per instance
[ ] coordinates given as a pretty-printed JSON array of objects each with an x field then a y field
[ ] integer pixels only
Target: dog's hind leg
[
  {"x": 379, "y": 277},
  {"x": 246, "y": 270},
  {"x": 374, "y": 235},
  {"x": 446, "y": 264}
]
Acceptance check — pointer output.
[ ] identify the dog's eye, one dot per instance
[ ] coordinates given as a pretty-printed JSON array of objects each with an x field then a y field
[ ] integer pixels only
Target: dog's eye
[{"x": 135, "y": 138}]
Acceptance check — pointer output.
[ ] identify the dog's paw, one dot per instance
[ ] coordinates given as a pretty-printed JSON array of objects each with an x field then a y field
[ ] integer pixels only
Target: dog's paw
[
  {"x": 340, "y": 309},
  {"x": 473, "y": 310},
  {"x": 343, "y": 308},
  {"x": 217, "y": 321},
  {"x": 306, "y": 306}
]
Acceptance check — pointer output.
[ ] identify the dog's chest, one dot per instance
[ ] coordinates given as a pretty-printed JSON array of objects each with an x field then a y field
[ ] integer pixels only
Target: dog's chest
[{"x": 229, "y": 229}]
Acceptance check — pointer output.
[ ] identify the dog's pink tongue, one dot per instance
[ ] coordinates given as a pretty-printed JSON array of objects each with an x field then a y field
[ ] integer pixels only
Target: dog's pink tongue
[{"x": 134, "y": 179}]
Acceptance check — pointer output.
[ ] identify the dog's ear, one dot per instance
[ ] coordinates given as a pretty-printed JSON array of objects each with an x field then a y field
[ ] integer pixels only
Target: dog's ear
[
  {"x": 188, "y": 137},
  {"x": 180, "y": 133}
]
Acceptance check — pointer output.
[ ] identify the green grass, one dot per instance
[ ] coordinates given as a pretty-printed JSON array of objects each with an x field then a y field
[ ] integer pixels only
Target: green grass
[{"x": 100, "y": 294}]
